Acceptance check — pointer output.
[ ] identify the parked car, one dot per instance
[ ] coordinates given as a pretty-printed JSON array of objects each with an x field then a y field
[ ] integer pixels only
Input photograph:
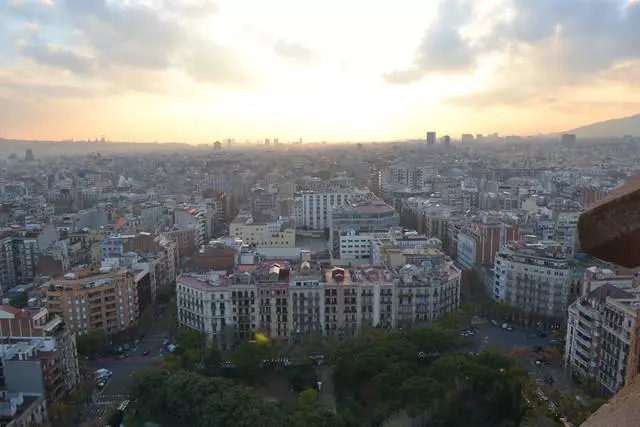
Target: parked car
[
  {"x": 507, "y": 327},
  {"x": 122, "y": 356},
  {"x": 146, "y": 352}
]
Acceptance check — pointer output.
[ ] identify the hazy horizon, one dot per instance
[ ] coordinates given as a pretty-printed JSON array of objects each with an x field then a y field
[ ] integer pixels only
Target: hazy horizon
[{"x": 196, "y": 71}]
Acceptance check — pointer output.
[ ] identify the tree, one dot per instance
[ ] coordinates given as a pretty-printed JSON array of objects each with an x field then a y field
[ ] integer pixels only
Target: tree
[
  {"x": 93, "y": 343},
  {"x": 165, "y": 296},
  {"x": 248, "y": 358},
  {"x": 60, "y": 413},
  {"x": 20, "y": 301},
  {"x": 455, "y": 320},
  {"x": 301, "y": 377},
  {"x": 188, "y": 339}
]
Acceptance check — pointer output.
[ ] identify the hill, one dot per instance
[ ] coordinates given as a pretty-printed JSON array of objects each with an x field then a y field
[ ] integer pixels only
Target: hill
[{"x": 610, "y": 128}]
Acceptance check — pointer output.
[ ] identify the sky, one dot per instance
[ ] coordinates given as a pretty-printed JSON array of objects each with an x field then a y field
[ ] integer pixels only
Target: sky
[{"x": 197, "y": 71}]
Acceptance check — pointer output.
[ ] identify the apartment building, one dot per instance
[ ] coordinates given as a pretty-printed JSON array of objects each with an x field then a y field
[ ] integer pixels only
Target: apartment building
[
  {"x": 204, "y": 303},
  {"x": 533, "y": 276},
  {"x": 271, "y": 234},
  {"x": 479, "y": 241},
  {"x": 314, "y": 208},
  {"x": 116, "y": 246},
  {"x": 94, "y": 299},
  {"x": 293, "y": 303},
  {"x": 201, "y": 219},
  {"x": 7, "y": 267},
  {"x": 603, "y": 336},
  {"x": 407, "y": 175},
  {"x": 184, "y": 238},
  {"x": 263, "y": 201},
  {"x": 566, "y": 231},
  {"x": 56, "y": 346},
  {"x": 22, "y": 399},
  {"x": 272, "y": 283}
]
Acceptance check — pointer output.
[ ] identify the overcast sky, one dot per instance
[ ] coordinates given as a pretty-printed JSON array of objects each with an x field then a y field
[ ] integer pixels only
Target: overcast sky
[{"x": 197, "y": 71}]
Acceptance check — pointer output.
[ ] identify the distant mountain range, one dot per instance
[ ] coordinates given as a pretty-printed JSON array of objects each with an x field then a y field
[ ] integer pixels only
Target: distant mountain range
[{"x": 610, "y": 128}]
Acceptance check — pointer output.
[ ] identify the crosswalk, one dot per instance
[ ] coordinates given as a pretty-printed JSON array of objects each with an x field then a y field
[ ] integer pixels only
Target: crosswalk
[{"x": 105, "y": 405}]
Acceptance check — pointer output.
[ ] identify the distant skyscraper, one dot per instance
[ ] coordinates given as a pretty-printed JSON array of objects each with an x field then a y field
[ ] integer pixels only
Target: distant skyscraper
[
  {"x": 28, "y": 155},
  {"x": 276, "y": 142},
  {"x": 466, "y": 138},
  {"x": 267, "y": 141},
  {"x": 431, "y": 139},
  {"x": 446, "y": 140},
  {"x": 568, "y": 139},
  {"x": 217, "y": 146}
]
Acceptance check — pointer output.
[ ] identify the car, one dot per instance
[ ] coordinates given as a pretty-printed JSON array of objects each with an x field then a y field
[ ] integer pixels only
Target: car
[
  {"x": 122, "y": 356},
  {"x": 146, "y": 352}
]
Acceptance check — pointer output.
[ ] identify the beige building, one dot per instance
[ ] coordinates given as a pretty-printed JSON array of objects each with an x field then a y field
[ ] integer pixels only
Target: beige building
[
  {"x": 273, "y": 234},
  {"x": 94, "y": 299},
  {"x": 288, "y": 303}
]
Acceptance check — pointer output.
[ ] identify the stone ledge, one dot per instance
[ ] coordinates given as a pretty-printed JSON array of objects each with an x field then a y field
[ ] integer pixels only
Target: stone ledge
[{"x": 610, "y": 230}]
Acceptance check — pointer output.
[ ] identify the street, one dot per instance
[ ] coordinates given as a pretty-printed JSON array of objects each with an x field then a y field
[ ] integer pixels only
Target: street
[
  {"x": 119, "y": 386},
  {"x": 507, "y": 340}
]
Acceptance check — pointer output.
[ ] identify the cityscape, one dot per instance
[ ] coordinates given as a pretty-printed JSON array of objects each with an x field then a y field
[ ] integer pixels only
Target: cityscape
[
  {"x": 319, "y": 214},
  {"x": 108, "y": 259}
]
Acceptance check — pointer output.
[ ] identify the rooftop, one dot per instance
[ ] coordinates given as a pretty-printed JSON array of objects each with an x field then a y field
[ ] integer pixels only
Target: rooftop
[{"x": 92, "y": 280}]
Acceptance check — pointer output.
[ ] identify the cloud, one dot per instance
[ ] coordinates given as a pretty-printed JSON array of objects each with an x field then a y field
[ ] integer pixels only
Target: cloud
[
  {"x": 103, "y": 37},
  {"x": 130, "y": 35},
  {"x": 541, "y": 44},
  {"x": 442, "y": 49},
  {"x": 193, "y": 9},
  {"x": 209, "y": 62},
  {"x": 28, "y": 89},
  {"x": 59, "y": 57},
  {"x": 294, "y": 52}
]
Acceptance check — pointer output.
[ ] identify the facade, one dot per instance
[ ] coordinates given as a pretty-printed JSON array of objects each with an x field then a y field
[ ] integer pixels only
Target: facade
[
  {"x": 7, "y": 267},
  {"x": 603, "y": 336},
  {"x": 354, "y": 246},
  {"x": 90, "y": 300},
  {"x": 431, "y": 139},
  {"x": 292, "y": 304},
  {"x": 197, "y": 219},
  {"x": 363, "y": 217},
  {"x": 272, "y": 234},
  {"x": 533, "y": 276},
  {"x": 314, "y": 211},
  {"x": 479, "y": 242},
  {"x": 184, "y": 238},
  {"x": 53, "y": 368},
  {"x": 566, "y": 231}
]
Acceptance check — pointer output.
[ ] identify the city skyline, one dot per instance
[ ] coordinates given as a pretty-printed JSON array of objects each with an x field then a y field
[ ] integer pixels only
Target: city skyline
[{"x": 325, "y": 71}]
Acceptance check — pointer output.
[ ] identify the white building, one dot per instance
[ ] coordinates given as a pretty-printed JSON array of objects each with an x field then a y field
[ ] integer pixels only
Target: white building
[
  {"x": 533, "y": 276},
  {"x": 204, "y": 303},
  {"x": 314, "y": 208},
  {"x": 603, "y": 336},
  {"x": 355, "y": 246}
]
